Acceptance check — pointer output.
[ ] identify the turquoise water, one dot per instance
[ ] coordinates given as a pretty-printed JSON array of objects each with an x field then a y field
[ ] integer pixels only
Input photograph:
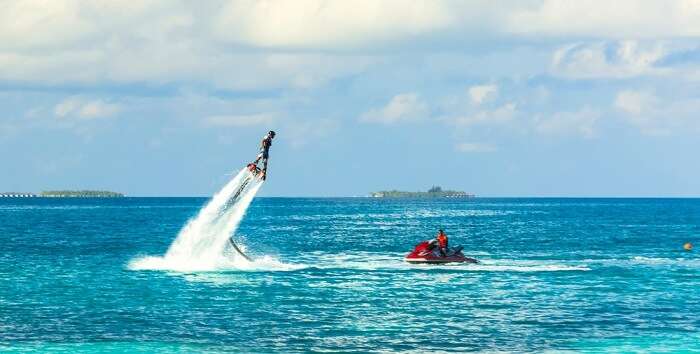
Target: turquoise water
[{"x": 556, "y": 275}]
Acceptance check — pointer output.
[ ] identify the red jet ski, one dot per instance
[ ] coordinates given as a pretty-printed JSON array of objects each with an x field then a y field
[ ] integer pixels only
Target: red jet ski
[{"x": 424, "y": 254}]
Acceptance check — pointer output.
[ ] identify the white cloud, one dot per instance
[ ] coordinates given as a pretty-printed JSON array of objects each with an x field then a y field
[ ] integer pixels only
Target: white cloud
[
  {"x": 76, "y": 107},
  {"x": 41, "y": 24},
  {"x": 481, "y": 93},
  {"x": 324, "y": 24},
  {"x": 581, "y": 122},
  {"x": 244, "y": 45},
  {"x": 339, "y": 24},
  {"x": 98, "y": 109},
  {"x": 480, "y": 108},
  {"x": 300, "y": 133},
  {"x": 653, "y": 115},
  {"x": 402, "y": 107},
  {"x": 635, "y": 102},
  {"x": 241, "y": 120},
  {"x": 608, "y": 60},
  {"x": 327, "y": 24},
  {"x": 182, "y": 63},
  {"x": 224, "y": 44},
  {"x": 499, "y": 115},
  {"x": 475, "y": 147},
  {"x": 641, "y": 109},
  {"x": 601, "y": 19},
  {"x": 155, "y": 41}
]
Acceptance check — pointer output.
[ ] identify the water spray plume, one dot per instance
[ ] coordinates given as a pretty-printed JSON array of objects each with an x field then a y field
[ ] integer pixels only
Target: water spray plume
[{"x": 203, "y": 244}]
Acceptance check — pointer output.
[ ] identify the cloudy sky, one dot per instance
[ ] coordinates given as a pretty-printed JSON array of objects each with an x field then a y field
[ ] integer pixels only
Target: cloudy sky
[{"x": 498, "y": 98}]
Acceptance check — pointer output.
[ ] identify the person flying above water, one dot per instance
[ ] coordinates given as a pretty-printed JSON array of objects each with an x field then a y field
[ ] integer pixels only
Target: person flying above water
[{"x": 264, "y": 154}]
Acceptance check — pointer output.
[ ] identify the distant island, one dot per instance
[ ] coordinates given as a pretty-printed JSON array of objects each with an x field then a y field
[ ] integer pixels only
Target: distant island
[
  {"x": 63, "y": 194},
  {"x": 434, "y": 192},
  {"x": 81, "y": 194}
]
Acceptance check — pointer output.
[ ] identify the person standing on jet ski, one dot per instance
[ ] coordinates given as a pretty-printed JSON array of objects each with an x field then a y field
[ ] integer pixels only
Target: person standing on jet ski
[
  {"x": 265, "y": 151},
  {"x": 441, "y": 242}
]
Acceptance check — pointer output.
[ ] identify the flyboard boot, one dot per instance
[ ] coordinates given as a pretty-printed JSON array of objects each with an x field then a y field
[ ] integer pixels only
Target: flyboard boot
[{"x": 253, "y": 168}]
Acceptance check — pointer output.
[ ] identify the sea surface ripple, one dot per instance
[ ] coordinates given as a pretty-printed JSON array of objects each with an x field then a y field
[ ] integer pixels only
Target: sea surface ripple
[{"x": 580, "y": 275}]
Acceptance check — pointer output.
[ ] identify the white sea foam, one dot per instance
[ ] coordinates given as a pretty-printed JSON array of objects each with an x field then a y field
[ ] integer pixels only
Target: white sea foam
[
  {"x": 371, "y": 261},
  {"x": 264, "y": 263},
  {"x": 655, "y": 261}
]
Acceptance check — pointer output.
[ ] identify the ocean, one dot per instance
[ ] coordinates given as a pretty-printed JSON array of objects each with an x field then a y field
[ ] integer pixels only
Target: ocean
[{"x": 577, "y": 275}]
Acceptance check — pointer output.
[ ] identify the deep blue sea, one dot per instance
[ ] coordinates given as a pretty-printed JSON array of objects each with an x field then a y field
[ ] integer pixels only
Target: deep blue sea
[{"x": 580, "y": 275}]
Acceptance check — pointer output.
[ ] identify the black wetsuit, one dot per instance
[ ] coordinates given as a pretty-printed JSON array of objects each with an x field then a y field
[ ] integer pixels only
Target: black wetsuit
[
  {"x": 264, "y": 151},
  {"x": 265, "y": 147}
]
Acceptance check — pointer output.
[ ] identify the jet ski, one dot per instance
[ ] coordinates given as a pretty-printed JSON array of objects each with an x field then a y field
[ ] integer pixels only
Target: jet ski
[{"x": 423, "y": 253}]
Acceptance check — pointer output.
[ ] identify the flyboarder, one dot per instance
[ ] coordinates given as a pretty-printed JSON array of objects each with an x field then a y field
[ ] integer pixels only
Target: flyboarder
[{"x": 264, "y": 154}]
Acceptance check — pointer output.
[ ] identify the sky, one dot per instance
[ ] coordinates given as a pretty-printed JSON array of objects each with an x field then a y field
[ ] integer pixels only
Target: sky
[{"x": 497, "y": 98}]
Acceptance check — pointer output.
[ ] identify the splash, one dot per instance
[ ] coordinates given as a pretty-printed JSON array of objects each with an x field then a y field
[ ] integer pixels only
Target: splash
[
  {"x": 203, "y": 240},
  {"x": 203, "y": 244}
]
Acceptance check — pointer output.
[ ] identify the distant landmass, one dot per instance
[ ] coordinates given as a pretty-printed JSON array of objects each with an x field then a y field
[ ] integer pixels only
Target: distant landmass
[
  {"x": 81, "y": 194},
  {"x": 63, "y": 194},
  {"x": 434, "y": 192}
]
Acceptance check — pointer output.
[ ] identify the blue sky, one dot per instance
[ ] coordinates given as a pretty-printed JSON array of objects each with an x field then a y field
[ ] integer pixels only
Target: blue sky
[{"x": 497, "y": 98}]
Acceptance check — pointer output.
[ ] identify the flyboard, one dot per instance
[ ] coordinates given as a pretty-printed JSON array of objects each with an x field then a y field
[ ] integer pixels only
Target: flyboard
[{"x": 255, "y": 172}]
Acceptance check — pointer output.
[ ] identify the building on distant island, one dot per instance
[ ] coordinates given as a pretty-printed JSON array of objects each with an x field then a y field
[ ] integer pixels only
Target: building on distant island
[
  {"x": 81, "y": 194},
  {"x": 17, "y": 195},
  {"x": 434, "y": 192}
]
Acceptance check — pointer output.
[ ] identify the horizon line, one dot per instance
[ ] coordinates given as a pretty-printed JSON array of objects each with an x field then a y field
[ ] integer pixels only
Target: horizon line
[{"x": 379, "y": 198}]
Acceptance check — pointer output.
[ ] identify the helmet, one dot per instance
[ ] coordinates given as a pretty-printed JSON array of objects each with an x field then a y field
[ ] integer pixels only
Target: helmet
[{"x": 271, "y": 133}]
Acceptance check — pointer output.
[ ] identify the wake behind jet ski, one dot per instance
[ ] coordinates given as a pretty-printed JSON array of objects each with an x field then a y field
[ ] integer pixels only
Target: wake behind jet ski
[{"x": 436, "y": 251}]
